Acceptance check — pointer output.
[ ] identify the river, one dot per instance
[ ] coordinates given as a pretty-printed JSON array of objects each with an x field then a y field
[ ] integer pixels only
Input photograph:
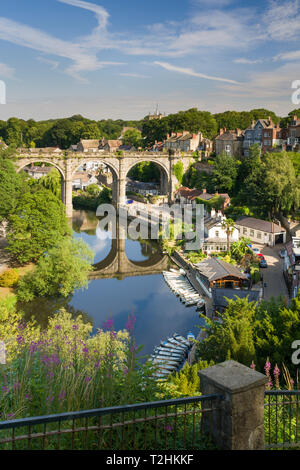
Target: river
[{"x": 142, "y": 292}]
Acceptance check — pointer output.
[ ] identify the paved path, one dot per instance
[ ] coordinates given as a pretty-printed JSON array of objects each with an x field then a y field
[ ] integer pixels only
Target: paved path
[{"x": 273, "y": 274}]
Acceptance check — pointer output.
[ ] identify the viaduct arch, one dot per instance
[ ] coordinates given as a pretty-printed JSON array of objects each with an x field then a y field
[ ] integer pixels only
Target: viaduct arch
[{"x": 68, "y": 163}]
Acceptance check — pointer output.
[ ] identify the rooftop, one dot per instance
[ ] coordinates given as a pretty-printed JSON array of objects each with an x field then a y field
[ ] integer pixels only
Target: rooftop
[
  {"x": 258, "y": 224},
  {"x": 214, "y": 269}
]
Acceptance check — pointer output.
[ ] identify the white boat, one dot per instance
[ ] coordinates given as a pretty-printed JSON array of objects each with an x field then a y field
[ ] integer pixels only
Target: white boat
[
  {"x": 170, "y": 355},
  {"x": 166, "y": 351},
  {"x": 182, "y": 339},
  {"x": 167, "y": 361},
  {"x": 168, "y": 345},
  {"x": 175, "y": 341}
]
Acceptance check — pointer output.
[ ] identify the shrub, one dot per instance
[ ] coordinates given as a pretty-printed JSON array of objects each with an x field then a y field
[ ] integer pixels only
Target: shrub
[{"x": 9, "y": 278}]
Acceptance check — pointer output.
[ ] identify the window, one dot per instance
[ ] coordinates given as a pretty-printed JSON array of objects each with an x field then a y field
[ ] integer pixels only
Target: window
[
  {"x": 217, "y": 234},
  {"x": 251, "y": 233},
  {"x": 245, "y": 231},
  {"x": 258, "y": 234}
]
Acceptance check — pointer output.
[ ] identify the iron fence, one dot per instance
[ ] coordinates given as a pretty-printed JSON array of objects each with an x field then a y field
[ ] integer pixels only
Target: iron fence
[
  {"x": 282, "y": 418},
  {"x": 180, "y": 424}
]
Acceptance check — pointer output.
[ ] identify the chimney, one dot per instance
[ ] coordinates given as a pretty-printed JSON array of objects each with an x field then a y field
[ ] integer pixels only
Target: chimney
[
  {"x": 204, "y": 191},
  {"x": 295, "y": 118},
  {"x": 213, "y": 213},
  {"x": 221, "y": 131}
]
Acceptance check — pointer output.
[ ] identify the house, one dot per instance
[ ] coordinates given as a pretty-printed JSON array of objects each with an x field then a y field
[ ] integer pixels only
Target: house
[
  {"x": 183, "y": 141},
  {"x": 142, "y": 188},
  {"x": 185, "y": 195},
  {"x": 127, "y": 148},
  {"x": 261, "y": 231},
  {"x": 82, "y": 180},
  {"x": 254, "y": 134},
  {"x": 215, "y": 236},
  {"x": 111, "y": 145},
  {"x": 215, "y": 273},
  {"x": 271, "y": 137},
  {"x": 88, "y": 146},
  {"x": 206, "y": 147},
  {"x": 293, "y": 135},
  {"x": 37, "y": 172},
  {"x": 229, "y": 142},
  {"x": 292, "y": 266}
]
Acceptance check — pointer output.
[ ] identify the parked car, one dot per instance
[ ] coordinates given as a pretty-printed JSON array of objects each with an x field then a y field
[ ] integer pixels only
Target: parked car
[
  {"x": 256, "y": 251},
  {"x": 282, "y": 253},
  {"x": 260, "y": 256},
  {"x": 263, "y": 263}
]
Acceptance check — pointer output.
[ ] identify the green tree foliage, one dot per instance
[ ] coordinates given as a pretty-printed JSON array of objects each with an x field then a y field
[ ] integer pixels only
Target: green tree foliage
[
  {"x": 37, "y": 223},
  {"x": 52, "y": 181},
  {"x": 133, "y": 137},
  {"x": 12, "y": 186},
  {"x": 241, "y": 120},
  {"x": 178, "y": 171},
  {"x": 225, "y": 173},
  {"x": 234, "y": 338},
  {"x": 61, "y": 270},
  {"x": 145, "y": 172},
  {"x": 91, "y": 131}
]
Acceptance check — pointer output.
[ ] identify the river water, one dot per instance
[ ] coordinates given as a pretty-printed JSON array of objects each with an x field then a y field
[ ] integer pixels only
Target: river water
[{"x": 159, "y": 313}]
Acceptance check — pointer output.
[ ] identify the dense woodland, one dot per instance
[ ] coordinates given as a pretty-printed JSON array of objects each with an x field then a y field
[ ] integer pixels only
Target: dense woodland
[{"x": 68, "y": 131}]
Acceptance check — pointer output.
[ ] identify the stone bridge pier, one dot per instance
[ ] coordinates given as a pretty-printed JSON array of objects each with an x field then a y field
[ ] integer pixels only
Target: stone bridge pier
[{"x": 120, "y": 166}]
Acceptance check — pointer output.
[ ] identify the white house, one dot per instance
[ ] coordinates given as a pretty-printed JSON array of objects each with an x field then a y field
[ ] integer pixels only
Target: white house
[
  {"x": 261, "y": 231},
  {"x": 215, "y": 235}
]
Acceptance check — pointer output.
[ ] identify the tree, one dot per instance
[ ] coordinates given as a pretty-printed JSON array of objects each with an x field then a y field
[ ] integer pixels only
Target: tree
[
  {"x": 52, "y": 181},
  {"x": 38, "y": 222},
  {"x": 91, "y": 131},
  {"x": 133, "y": 137},
  {"x": 228, "y": 225},
  {"x": 234, "y": 338},
  {"x": 12, "y": 185},
  {"x": 61, "y": 270},
  {"x": 225, "y": 172}
]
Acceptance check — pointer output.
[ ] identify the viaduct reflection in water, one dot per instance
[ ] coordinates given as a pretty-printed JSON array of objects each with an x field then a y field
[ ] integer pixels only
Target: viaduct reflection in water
[{"x": 116, "y": 263}]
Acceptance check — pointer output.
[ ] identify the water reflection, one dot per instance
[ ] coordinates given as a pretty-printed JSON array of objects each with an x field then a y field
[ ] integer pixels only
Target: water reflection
[{"x": 127, "y": 279}]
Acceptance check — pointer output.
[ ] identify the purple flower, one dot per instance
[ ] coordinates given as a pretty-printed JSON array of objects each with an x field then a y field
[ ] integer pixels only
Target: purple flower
[
  {"x": 50, "y": 398},
  {"x": 85, "y": 350},
  {"x": 75, "y": 327},
  {"x": 253, "y": 365},
  {"x": 130, "y": 323},
  {"x": 87, "y": 379},
  {"x": 62, "y": 395},
  {"x": 20, "y": 339},
  {"x": 28, "y": 396},
  {"x": 57, "y": 327},
  {"x": 5, "y": 389},
  {"x": 108, "y": 324}
]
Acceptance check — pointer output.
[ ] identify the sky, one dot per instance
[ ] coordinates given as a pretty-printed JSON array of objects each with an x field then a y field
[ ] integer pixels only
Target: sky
[{"x": 120, "y": 59}]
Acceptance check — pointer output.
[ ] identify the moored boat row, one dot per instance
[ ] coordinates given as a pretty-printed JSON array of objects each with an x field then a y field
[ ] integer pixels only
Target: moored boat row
[
  {"x": 171, "y": 355},
  {"x": 180, "y": 285}
]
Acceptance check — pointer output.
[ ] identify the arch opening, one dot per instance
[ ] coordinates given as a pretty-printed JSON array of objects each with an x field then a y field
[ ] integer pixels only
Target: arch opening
[
  {"x": 147, "y": 178},
  {"x": 97, "y": 172}
]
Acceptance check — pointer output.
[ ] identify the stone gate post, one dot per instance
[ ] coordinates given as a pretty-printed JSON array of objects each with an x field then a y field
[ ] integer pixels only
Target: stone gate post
[{"x": 239, "y": 422}]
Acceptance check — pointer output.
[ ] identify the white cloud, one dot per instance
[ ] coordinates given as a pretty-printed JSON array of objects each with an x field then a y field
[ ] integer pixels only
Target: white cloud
[
  {"x": 282, "y": 20},
  {"x": 134, "y": 75},
  {"x": 191, "y": 72},
  {"x": 247, "y": 61}
]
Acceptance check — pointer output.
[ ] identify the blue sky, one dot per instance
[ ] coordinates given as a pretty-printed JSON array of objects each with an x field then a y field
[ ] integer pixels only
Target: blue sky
[{"x": 118, "y": 59}]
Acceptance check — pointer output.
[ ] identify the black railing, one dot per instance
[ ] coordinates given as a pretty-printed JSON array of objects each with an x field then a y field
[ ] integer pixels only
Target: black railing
[
  {"x": 282, "y": 419},
  {"x": 184, "y": 423}
]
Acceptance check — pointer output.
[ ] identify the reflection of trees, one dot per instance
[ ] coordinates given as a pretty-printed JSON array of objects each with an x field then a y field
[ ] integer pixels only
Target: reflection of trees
[{"x": 43, "y": 308}]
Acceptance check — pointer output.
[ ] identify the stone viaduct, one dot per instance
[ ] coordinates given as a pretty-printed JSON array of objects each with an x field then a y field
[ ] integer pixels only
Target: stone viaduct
[{"x": 68, "y": 163}]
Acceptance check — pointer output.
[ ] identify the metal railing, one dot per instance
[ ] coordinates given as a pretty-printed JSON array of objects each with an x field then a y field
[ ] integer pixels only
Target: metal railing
[
  {"x": 282, "y": 419},
  {"x": 180, "y": 424}
]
